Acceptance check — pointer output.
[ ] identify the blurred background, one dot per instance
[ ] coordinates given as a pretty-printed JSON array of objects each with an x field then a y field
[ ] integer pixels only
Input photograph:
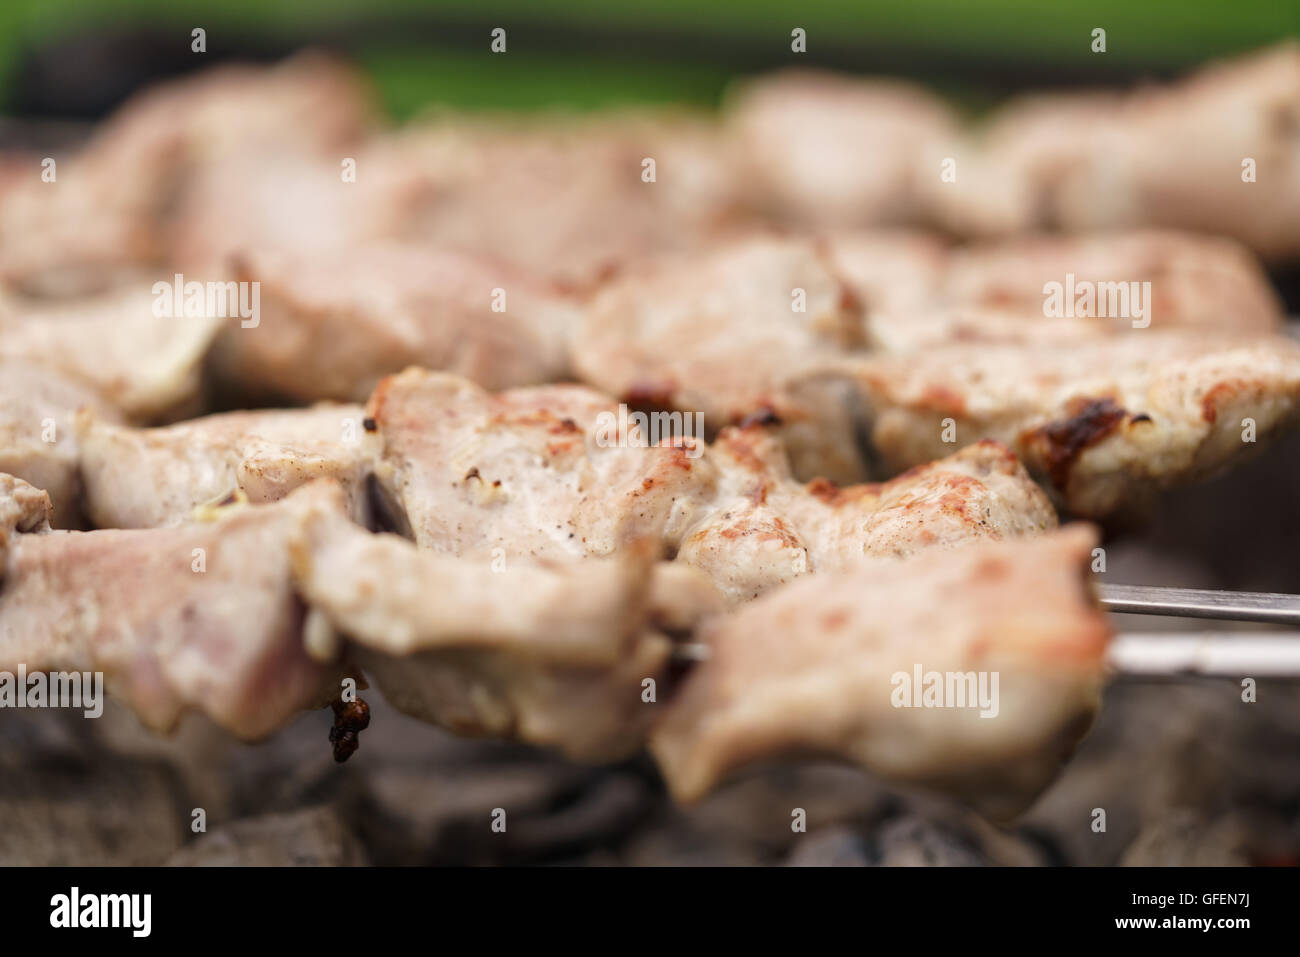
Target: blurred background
[
  {"x": 76, "y": 59},
  {"x": 64, "y": 63}
]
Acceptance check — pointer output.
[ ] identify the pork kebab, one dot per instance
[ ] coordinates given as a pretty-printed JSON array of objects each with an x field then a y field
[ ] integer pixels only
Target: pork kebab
[
  {"x": 772, "y": 324},
  {"x": 545, "y": 475},
  {"x": 565, "y": 654},
  {"x": 227, "y": 626},
  {"x": 557, "y": 473}
]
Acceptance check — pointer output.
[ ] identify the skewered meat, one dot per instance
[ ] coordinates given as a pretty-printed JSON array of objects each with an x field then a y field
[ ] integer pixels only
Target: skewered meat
[
  {"x": 765, "y": 529},
  {"x": 1201, "y": 281},
  {"x": 683, "y": 350},
  {"x": 554, "y": 655},
  {"x": 670, "y": 335},
  {"x": 543, "y": 472},
  {"x": 567, "y": 200},
  {"x": 813, "y": 669},
  {"x": 332, "y": 326},
  {"x": 107, "y": 209},
  {"x": 310, "y": 101},
  {"x": 147, "y": 365},
  {"x": 72, "y": 236},
  {"x": 108, "y": 355},
  {"x": 525, "y": 472},
  {"x": 1105, "y": 423},
  {"x": 290, "y": 204},
  {"x": 531, "y": 603},
  {"x": 564, "y": 201},
  {"x": 891, "y": 272},
  {"x": 1174, "y": 155},
  {"x": 244, "y": 612},
  {"x": 38, "y": 435},
  {"x": 24, "y": 509},
  {"x": 200, "y": 616},
  {"x": 997, "y": 292},
  {"x": 148, "y": 478},
  {"x": 823, "y": 150}
]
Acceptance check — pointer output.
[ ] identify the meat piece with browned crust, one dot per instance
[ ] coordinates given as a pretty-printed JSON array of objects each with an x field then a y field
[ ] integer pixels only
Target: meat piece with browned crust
[
  {"x": 824, "y": 668},
  {"x": 719, "y": 335},
  {"x": 1106, "y": 422},
  {"x": 551, "y": 472},
  {"x": 24, "y": 510},
  {"x": 748, "y": 328},
  {"x": 764, "y": 528}
]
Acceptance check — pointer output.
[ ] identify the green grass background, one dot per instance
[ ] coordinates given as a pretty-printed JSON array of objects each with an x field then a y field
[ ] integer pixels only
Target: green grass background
[{"x": 1154, "y": 35}]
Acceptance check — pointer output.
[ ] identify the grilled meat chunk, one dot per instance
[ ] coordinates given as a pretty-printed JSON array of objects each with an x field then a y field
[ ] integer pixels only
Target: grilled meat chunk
[
  {"x": 147, "y": 365},
  {"x": 553, "y": 655},
  {"x": 76, "y": 235},
  {"x": 148, "y": 478},
  {"x": 109, "y": 209},
  {"x": 1176, "y": 155},
  {"x": 669, "y": 334},
  {"x": 765, "y": 529},
  {"x": 38, "y": 435},
  {"x": 502, "y": 191},
  {"x": 824, "y": 667},
  {"x": 921, "y": 296},
  {"x": 109, "y": 355},
  {"x": 201, "y": 616},
  {"x": 672, "y": 335},
  {"x": 1105, "y": 423},
  {"x": 1200, "y": 281},
  {"x": 332, "y": 326},
  {"x": 291, "y": 205},
  {"x": 822, "y": 150},
  {"x": 721, "y": 333},
  {"x": 567, "y": 200},
  {"x": 518, "y": 472},
  {"x": 24, "y": 510},
  {"x": 551, "y": 472}
]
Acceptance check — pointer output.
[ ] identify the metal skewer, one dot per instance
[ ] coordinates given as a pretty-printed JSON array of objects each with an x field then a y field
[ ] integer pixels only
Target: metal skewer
[
  {"x": 1269, "y": 607},
  {"x": 1216, "y": 654}
]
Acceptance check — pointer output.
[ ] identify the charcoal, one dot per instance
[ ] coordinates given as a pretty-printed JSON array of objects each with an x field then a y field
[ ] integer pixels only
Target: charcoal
[
  {"x": 64, "y": 808},
  {"x": 312, "y": 837}
]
